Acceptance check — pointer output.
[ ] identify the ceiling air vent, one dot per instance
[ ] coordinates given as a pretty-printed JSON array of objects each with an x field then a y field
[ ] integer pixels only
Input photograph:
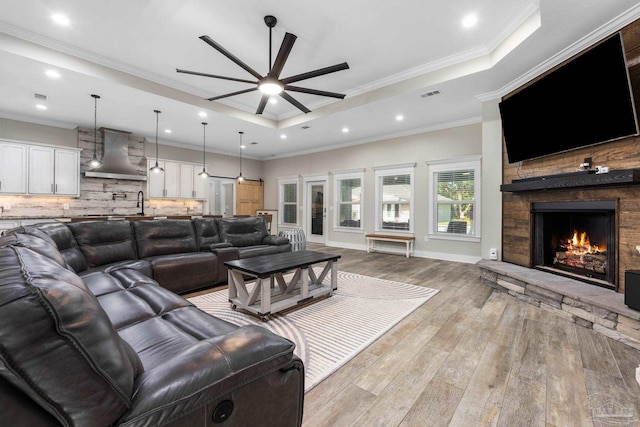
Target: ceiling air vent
[
  {"x": 306, "y": 127},
  {"x": 427, "y": 94},
  {"x": 40, "y": 96}
]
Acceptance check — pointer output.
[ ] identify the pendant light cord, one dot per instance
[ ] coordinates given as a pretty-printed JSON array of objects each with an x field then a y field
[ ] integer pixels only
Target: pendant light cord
[
  {"x": 241, "y": 133},
  {"x": 157, "y": 118},
  {"x": 95, "y": 125},
  {"x": 204, "y": 142}
]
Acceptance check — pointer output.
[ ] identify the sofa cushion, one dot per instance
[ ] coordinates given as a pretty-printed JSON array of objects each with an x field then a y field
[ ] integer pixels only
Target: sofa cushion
[
  {"x": 141, "y": 265},
  {"x": 64, "y": 240},
  {"x": 185, "y": 272},
  {"x": 206, "y": 232},
  {"x": 242, "y": 231},
  {"x": 80, "y": 370},
  {"x": 45, "y": 247},
  {"x": 104, "y": 242},
  {"x": 164, "y": 237}
]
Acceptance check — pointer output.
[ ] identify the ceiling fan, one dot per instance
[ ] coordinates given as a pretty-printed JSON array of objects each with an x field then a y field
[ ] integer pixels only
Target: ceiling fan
[{"x": 272, "y": 84}]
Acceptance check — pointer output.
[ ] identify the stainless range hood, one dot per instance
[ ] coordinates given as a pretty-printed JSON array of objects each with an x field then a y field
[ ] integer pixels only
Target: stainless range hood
[{"x": 115, "y": 163}]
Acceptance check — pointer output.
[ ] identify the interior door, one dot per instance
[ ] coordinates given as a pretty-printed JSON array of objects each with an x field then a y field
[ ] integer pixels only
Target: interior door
[
  {"x": 249, "y": 197},
  {"x": 221, "y": 196},
  {"x": 316, "y": 212}
]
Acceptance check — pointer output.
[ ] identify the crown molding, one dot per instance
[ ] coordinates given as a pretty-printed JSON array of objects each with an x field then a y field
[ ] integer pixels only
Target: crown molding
[
  {"x": 383, "y": 137},
  {"x": 594, "y": 37}
]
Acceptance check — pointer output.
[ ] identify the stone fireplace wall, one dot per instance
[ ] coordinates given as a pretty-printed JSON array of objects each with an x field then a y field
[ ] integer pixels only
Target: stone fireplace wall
[{"x": 622, "y": 154}]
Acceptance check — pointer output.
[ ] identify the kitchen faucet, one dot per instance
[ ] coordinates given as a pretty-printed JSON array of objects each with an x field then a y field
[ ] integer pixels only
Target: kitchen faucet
[{"x": 140, "y": 198}]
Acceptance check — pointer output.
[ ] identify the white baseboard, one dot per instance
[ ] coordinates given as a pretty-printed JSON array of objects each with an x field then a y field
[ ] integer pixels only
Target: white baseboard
[{"x": 467, "y": 259}]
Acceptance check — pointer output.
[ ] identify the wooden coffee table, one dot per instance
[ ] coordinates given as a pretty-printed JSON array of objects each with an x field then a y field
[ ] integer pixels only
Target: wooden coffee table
[{"x": 272, "y": 292}]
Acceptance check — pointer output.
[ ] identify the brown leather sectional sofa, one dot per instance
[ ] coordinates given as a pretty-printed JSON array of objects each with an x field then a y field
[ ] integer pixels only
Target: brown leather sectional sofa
[
  {"x": 89, "y": 338},
  {"x": 181, "y": 255}
]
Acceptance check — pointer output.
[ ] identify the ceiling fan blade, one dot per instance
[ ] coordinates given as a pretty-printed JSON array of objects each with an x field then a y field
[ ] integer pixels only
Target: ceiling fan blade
[
  {"x": 299, "y": 106},
  {"x": 197, "y": 73},
  {"x": 231, "y": 56},
  {"x": 240, "y": 92},
  {"x": 315, "y": 92},
  {"x": 263, "y": 103},
  {"x": 283, "y": 54},
  {"x": 315, "y": 73}
]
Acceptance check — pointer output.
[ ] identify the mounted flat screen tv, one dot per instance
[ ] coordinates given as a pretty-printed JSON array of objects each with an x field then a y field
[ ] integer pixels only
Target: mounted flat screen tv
[{"x": 584, "y": 102}]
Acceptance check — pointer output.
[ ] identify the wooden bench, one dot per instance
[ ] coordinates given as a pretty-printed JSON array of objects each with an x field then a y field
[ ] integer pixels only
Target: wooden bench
[{"x": 407, "y": 240}]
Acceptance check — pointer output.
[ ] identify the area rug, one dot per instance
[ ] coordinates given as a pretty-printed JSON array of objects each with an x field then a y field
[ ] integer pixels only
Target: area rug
[{"x": 330, "y": 332}]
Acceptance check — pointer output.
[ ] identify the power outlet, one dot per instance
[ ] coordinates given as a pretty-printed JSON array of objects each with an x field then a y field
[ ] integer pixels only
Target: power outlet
[
  {"x": 7, "y": 207},
  {"x": 65, "y": 206}
]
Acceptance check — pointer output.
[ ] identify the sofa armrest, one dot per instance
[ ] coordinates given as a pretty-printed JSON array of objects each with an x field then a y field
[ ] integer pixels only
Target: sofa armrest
[
  {"x": 275, "y": 240},
  {"x": 225, "y": 254},
  {"x": 244, "y": 366},
  {"x": 212, "y": 246}
]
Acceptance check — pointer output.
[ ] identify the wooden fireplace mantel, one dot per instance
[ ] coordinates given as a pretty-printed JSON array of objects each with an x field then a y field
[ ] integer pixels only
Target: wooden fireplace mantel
[{"x": 574, "y": 180}]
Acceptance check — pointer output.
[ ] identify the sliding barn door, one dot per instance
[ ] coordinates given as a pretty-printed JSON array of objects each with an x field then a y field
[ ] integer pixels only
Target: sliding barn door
[{"x": 249, "y": 197}]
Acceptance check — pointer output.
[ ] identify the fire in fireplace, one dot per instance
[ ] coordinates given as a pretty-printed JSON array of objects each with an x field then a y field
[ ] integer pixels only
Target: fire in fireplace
[
  {"x": 578, "y": 252},
  {"x": 576, "y": 239}
]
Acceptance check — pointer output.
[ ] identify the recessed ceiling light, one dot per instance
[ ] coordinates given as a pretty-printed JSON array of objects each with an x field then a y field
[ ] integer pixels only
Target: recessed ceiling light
[
  {"x": 283, "y": 136},
  {"x": 167, "y": 131},
  {"x": 243, "y": 146},
  {"x": 345, "y": 130},
  {"x": 202, "y": 114},
  {"x": 470, "y": 20},
  {"x": 41, "y": 106},
  {"x": 273, "y": 100},
  {"x": 399, "y": 117},
  {"x": 61, "y": 19},
  {"x": 53, "y": 74}
]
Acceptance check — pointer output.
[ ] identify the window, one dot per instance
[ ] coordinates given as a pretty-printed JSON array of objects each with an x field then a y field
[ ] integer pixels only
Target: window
[
  {"x": 454, "y": 202},
  {"x": 394, "y": 198},
  {"x": 289, "y": 201},
  {"x": 348, "y": 200}
]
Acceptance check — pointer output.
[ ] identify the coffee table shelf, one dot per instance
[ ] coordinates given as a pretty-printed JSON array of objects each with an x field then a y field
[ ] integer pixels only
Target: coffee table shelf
[{"x": 272, "y": 292}]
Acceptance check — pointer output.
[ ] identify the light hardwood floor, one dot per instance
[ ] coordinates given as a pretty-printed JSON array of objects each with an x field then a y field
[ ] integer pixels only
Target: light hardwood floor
[{"x": 472, "y": 356}]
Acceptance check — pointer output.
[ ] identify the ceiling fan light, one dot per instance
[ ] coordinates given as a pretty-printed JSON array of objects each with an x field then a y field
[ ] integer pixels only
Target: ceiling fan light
[{"x": 271, "y": 87}]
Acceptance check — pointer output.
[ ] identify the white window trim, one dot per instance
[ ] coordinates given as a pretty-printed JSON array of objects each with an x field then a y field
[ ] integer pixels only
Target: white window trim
[
  {"x": 336, "y": 201},
  {"x": 380, "y": 171},
  {"x": 281, "y": 183},
  {"x": 469, "y": 162}
]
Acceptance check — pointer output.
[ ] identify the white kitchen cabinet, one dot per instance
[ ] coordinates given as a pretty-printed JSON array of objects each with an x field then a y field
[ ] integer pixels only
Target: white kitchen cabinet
[
  {"x": 179, "y": 180},
  {"x": 155, "y": 181},
  {"x": 171, "y": 180},
  {"x": 186, "y": 181},
  {"x": 199, "y": 185},
  {"x": 192, "y": 185},
  {"x": 13, "y": 168},
  {"x": 41, "y": 170},
  {"x": 67, "y": 173},
  {"x": 54, "y": 171},
  {"x": 164, "y": 184}
]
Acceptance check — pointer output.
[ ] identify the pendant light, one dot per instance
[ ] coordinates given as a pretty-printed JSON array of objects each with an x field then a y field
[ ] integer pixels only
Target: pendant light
[
  {"x": 156, "y": 168},
  {"x": 240, "y": 178},
  {"x": 204, "y": 174},
  {"x": 95, "y": 161}
]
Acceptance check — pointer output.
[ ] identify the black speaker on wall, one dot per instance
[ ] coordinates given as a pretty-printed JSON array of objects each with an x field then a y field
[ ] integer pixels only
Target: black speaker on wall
[{"x": 632, "y": 289}]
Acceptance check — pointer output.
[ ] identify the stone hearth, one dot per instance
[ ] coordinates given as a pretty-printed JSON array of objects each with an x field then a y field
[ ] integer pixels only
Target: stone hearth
[{"x": 593, "y": 307}]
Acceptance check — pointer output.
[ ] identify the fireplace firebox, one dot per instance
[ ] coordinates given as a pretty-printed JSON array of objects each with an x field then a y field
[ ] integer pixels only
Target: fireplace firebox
[{"x": 576, "y": 239}]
